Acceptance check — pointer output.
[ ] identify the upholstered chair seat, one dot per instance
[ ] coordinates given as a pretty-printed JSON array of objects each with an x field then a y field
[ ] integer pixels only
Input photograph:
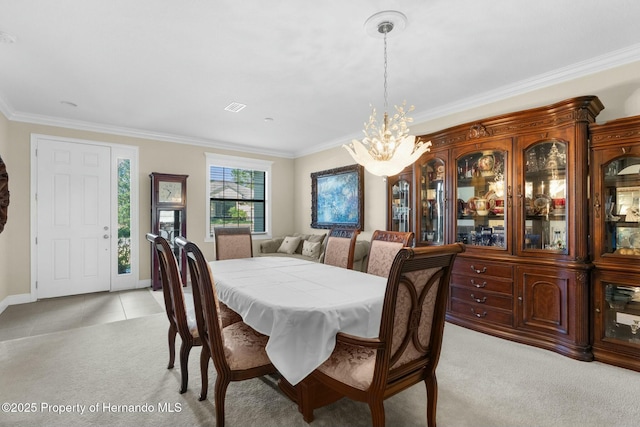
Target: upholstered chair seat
[
  {"x": 351, "y": 364},
  {"x": 244, "y": 348}
]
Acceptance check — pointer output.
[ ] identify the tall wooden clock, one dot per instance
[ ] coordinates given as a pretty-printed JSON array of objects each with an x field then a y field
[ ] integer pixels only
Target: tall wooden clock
[{"x": 168, "y": 218}]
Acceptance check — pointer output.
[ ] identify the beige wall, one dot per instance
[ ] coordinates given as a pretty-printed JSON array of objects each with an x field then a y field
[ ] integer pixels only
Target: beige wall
[
  {"x": 618, "y": 89},
  {"x": 5, "y": 250},
  {"x": 154, "y": 156}
]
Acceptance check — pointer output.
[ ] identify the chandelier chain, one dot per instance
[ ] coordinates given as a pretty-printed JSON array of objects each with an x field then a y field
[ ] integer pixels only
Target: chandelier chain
[{"x": 385, "y": 71}]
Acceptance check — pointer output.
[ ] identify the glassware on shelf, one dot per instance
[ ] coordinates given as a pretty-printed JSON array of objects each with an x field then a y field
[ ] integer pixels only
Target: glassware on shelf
[
  {"x": 532, "y": 161},
  {"x": 545, "y": 202},
  {"x": 432, "y": 207},
  {"x": 480, "y": 196},
  {"x": 622, "y": 314},
  {"x": 635, "y": 326},
  {"x": 620, "y": 191}
]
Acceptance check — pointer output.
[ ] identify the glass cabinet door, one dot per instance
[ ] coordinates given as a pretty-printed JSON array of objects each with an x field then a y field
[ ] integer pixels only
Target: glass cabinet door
[
  {"x": 432, "y": 202},
  {"x": 621, "y": 202},
  {"x": 401, "y": 206},
  {"x": 481, "y": 205},
  {"x": 545, "y": 197},
  {"x": 622, "y": 312}
]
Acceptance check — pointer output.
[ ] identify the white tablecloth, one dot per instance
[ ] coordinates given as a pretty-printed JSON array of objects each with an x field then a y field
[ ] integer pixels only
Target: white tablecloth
[{"x": 301, "y": 306}]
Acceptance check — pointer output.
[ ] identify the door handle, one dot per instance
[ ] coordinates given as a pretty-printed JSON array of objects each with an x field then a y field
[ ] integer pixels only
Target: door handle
[{"x": 106, "y": 236}]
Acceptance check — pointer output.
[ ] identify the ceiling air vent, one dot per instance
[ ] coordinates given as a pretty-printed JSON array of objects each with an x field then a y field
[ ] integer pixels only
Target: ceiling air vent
[{"x": 234, "y": 107}]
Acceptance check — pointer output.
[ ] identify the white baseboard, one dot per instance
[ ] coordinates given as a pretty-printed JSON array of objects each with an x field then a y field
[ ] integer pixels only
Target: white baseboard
[
  {"x": 127, "y": 287},
  {"x": 144, "y": 284},
  {"x": 15, "y": 299}
]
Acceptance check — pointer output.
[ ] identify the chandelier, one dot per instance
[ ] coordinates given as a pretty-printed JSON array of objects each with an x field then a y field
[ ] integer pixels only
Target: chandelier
[{"x": 387, "y": 147}]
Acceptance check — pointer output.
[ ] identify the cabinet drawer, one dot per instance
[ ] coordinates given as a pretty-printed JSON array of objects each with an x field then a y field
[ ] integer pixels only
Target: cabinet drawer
[
  {"x": 482, "y": 298},
  {"x": 481, "y": 312},
  {"x": 482, "y": 268},
  {"x": 486, "y": 283}
]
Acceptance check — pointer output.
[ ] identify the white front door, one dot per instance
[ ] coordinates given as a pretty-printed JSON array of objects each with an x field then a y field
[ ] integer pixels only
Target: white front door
[{"x": 73, "y": 218}]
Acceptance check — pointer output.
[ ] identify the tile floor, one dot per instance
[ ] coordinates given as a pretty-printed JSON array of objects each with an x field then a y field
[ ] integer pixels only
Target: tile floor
[{"x": 58, "y": 314}]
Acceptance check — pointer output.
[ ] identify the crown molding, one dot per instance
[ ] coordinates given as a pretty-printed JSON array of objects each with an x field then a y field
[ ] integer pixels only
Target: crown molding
[
  {"x": 139, "y": 133},
  {"x": 581, "y": 69},
  {"x": 585, "y": 68},
  {"x": 5, "y": 108}
]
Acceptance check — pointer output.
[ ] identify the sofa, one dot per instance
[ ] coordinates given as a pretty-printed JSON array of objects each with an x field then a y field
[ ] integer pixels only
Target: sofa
[{"x": 309, "y": 247}]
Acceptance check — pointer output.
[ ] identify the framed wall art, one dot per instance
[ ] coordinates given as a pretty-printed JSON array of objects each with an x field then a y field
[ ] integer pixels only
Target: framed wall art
[{"x": 337, "y": 197}]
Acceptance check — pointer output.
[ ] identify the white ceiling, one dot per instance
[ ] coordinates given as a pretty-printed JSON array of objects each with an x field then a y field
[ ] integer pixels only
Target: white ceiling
[{"x": 166, "y": 69}]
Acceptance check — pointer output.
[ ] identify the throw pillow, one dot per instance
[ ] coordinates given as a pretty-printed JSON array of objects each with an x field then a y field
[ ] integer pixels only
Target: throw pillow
[
  {"x": 311, "y": 249},
  {"x": 317, "y": 238},
  {"x": 302, "y": 237},
  {"x": 289, "y": 245}
]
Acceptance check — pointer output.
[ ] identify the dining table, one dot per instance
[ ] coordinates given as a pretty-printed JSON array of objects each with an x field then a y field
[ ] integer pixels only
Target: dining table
[{"x": 300, "y": 305}]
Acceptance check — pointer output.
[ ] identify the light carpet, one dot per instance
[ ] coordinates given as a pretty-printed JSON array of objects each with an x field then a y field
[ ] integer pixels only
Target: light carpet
[{"x": 117, "y": 374}]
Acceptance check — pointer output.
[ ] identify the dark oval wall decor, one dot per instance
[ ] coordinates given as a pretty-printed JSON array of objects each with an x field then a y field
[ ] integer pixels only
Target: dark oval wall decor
[{"x": 4, "y": 194}]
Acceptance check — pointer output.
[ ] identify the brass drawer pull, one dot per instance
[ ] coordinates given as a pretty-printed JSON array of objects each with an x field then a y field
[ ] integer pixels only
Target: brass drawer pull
[
  {"x": 478, "y": 285},
  {"x": 480, "y": 300},
  {"x": 484, "y": 313},
  {"x": 479, "y": 271}
]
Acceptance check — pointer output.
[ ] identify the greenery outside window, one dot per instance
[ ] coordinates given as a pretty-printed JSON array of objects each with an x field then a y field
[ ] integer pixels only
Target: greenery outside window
[
  {"x": 238, "y": 192},
  {"x": 124, "y": 216}
]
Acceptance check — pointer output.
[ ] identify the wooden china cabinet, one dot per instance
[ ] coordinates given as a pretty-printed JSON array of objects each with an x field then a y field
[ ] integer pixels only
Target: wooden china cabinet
[
  {"x": 615, "y": 205},
  {"x": 513, "y": 189}
]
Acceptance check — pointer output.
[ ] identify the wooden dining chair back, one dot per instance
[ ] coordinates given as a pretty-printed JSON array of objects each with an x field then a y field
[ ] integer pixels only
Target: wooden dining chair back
[
  {"x": 408, "y": 346},
  {"x": 237, "y": 350},
  {"x": 341, "y": 246},
  {"x": 233, "y": 242},
  {"x": 179, "y": 312},
  {"x": 383, "y": 249}
]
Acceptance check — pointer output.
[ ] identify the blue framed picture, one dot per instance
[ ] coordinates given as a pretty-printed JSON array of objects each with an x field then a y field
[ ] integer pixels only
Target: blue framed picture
[{"x": 337, "y": 197}]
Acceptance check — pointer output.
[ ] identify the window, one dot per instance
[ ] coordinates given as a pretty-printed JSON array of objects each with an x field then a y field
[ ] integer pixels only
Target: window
[{"x": 238, "y": 192}]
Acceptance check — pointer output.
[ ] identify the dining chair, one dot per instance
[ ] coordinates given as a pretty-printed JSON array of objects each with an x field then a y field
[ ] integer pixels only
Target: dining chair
[
  {"x": 340, "y": 248},
  {"x": 383, "y": 249},
  {"x": 179, "y": 312},
  {"x": 408, "y": 345},
  {"x": 238, "y": 351},
  {"x": 233, "y": 242}
]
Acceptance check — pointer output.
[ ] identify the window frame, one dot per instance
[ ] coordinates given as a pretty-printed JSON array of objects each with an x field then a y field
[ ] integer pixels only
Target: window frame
[{"x": 236, "y": 162}]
